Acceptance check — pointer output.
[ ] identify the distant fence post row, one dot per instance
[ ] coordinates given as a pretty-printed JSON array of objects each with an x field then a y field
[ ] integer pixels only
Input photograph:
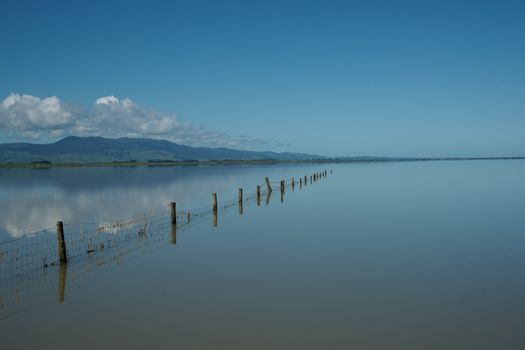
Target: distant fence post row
[{"x": 303, "y": 181}]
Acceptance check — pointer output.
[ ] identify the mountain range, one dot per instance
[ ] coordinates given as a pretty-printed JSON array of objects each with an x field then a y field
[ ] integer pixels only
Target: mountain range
[{"x": 75, "y": 149}]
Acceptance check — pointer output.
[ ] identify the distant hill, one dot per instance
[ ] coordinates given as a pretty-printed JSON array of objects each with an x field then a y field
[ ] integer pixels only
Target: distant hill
[{"x": 74, "y": 149}]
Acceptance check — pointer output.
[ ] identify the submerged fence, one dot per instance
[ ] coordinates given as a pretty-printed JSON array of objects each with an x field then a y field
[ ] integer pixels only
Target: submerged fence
[{"x": 28, "y": 261}]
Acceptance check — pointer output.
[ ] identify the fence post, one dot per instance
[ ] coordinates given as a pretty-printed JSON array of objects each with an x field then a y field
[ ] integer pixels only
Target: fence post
[
  {"x": 258, "y": 195},
  {"x": 268, "y": 184},
  {"x": 173, "y": 206},
  {"x": 214, "y": 201},
  {"x": 62, "y": 253},
  {"x": 293, "y": 183},
  {"x": 214, "y": 206},
  {"x": 241, "y": 209},
  {"x": 305, "y": 180}
]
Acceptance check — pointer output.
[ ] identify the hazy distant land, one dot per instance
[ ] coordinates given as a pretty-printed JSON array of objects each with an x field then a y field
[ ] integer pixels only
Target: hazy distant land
[{"x": 98, "y": 151}]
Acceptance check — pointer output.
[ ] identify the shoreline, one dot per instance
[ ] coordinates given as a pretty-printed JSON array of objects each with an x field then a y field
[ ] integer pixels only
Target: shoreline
[{"x": 241, "y": 162}]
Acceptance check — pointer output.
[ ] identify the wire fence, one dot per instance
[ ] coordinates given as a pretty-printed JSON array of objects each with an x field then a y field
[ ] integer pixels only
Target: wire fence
[{"x": 31, "y": 274}]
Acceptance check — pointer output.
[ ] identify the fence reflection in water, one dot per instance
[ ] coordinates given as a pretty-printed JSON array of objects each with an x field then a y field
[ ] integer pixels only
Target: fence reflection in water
[{"x": 31, "y": 274}]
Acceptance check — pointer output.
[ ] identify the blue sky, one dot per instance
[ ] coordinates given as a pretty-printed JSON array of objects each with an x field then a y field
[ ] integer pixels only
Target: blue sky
[{"x": 393, "y": 78}]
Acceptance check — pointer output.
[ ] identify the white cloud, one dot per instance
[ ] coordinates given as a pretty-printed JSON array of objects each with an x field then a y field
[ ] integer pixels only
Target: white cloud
[
  {"x": 32, "y": 118},
  {"x": 31, "y": 115},
  {"x": 113, "y": 117},
  {"x": 107, "y": 100}
]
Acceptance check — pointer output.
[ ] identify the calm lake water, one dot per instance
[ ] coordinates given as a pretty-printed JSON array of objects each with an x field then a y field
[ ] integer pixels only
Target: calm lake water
[{"x": 420, "y": 255}]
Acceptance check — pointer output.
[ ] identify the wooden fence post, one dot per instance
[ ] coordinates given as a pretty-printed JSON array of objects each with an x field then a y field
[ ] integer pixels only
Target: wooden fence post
[
  {"x": 214, "y": 207},
  {"x": 173, "y": 206},
  {"x": 305, "y": 180},
  {"x": 293, "y": 183},
  {"x": 268, "y": 184},
  {"x": 241, "y": 209},
  {"x": 258, "y": 194},
  {"x": 62, "y": 253},
  {"x": 214, "y": 201}
]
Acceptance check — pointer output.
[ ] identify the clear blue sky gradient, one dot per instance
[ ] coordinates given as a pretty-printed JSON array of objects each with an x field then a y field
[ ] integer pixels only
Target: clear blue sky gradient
[{"x": 392, "y": 78}]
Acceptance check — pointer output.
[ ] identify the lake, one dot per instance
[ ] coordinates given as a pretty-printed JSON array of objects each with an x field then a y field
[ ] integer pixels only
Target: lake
[{"x": 406, "y": 255}]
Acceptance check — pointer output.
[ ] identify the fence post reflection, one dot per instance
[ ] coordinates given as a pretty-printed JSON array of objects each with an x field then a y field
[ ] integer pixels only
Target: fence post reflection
[
  {"x": 173, "y": 234},
  {"x": 62, "y": 275},
  {"x": 268, "y": 195}
]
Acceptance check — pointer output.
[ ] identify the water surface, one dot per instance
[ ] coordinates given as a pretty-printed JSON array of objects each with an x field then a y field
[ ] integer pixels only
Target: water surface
[{"x": 384, "y": 255}]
